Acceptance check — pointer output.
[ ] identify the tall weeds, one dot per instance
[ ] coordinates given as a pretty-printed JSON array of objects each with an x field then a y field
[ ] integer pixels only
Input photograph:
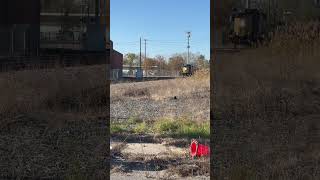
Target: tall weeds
[
  {"x": 70, "y": 89},
  {"x": 265, "y": 100}
]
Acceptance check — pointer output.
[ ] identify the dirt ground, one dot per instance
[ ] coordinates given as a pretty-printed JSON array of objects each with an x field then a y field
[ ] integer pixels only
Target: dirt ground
[
  {"x": 156, "y": 159},
  {"x": 149, "y": 156},
  {"x": 53, "y": 145}
]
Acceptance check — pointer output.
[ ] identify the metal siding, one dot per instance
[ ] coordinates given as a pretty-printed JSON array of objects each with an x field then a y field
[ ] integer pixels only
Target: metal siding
[
  {"x": 107, "y": 22},
  {"x": 4, "y": 43},
  {"x": 24, "y": 12},
  {"x": 24, "y": 22},
  {"x": 4, "y": 29},
  {"x": 95, "y": 40},
  {"x": 3, "y": 12}
]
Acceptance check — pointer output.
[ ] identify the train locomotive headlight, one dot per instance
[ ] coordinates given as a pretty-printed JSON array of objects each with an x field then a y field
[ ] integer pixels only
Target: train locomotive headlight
[{"x": 184, "y": 69}]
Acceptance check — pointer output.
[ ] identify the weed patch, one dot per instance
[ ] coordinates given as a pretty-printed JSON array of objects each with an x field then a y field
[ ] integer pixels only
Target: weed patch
[{"x": 181, "y": 127}]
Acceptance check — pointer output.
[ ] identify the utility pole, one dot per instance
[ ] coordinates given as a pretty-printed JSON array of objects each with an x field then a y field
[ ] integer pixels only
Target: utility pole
[
  {"x": 145, "y": 54},
  {"x": 140, "y": 58},
  {"x": 189, "y": 35}
]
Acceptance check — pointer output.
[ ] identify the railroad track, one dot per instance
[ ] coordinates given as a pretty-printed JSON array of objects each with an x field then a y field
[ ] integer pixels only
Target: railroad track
[
  {"x": 228, "y": 50},
  {"x": 149, "y": 78}
]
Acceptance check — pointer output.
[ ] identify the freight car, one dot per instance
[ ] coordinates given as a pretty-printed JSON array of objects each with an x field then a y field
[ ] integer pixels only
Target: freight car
[{"x": 247, "y": 27}]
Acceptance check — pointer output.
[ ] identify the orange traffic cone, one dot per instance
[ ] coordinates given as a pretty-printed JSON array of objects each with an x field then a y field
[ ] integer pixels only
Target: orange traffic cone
[{"x": 199, "y": 150}]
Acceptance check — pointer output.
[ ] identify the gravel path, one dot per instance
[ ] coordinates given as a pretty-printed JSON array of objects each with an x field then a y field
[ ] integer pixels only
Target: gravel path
[{"x": 145, "y": 104}]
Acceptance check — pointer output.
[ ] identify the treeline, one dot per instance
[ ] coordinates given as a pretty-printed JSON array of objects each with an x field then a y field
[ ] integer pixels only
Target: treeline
[{"x": 172, "y": 63}]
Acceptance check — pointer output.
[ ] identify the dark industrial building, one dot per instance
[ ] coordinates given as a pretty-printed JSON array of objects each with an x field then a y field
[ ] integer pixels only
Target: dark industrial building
[
  {"x": 50, "y": 32},
  {"x": 116, "y": 63}
]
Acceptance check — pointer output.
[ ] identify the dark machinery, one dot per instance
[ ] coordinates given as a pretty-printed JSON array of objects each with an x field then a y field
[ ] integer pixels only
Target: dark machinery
[
  {"x": 187, "y": 70},
  {"x": 48, "y": 34},
  {"x": 247, "y": 27}
]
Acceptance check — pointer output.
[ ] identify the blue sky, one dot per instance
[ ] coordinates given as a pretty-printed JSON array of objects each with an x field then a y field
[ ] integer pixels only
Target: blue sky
[{"x": 163, "y": 23}]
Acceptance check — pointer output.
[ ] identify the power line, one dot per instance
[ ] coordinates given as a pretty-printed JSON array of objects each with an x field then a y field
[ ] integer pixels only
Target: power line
[
  {"x": 159, "y": 42},
  {"x": 168, "y": 42}
]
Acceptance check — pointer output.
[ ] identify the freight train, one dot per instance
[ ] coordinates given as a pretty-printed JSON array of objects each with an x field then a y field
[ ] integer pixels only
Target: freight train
[
  {"x": 45, "y": 33},
  {"x": 187, "y": 70},
  {"x": 254, "y": 23},
  {"x": 247, "y": 27}
]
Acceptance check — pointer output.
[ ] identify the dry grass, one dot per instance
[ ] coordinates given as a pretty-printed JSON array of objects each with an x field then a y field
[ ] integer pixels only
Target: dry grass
[
  {"x": 159, "y": 90},
  {"x": 163, "y": 99},
  {"x": 266, "y": 108},
  {"x": 52, "y": 123},
  {"x": 70, "y": 89}
]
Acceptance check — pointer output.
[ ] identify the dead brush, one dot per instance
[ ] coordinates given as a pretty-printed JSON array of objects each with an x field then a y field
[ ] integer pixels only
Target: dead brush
[
  {"x": 260, "y": 96},
  {"x": 137, "y": 92},
  {"x": 159, "y": 90},
  {"x": 55, "y": 89},
  {"x": 199, "y": 167},
  {"x": 202, "y": 74}
]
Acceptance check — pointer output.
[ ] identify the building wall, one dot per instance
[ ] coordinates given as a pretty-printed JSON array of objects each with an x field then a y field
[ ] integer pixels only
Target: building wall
[
  {"x": 116, "y": 63},
  {"x": 116, "y": 60}
]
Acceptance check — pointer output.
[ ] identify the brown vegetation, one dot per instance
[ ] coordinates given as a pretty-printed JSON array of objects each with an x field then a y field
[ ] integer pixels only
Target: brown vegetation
[
  {"x": 164, "y": 98},
  {"x": 52, "y": 123},
  {"x": 266, "y": 108},
  {"x": 177, "y": 108},
  {"x": 70, "y": 89}
]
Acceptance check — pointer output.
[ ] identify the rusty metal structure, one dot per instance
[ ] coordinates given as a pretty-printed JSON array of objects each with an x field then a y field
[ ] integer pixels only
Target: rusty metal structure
[{"x": 54, "y": 32}]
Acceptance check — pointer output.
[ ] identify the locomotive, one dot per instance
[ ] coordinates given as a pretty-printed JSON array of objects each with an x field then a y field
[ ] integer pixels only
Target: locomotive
[{"x": 187, "y": 70}]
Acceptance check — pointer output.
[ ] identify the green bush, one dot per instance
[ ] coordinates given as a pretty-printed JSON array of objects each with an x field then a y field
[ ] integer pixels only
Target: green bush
[
  {"x": 140, "y": 128},
  {"x": 182, "y": 128}
]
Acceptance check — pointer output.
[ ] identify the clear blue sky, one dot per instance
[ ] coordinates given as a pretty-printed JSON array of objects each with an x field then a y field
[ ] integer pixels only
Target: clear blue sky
[{"x": 163, "y": 22}]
